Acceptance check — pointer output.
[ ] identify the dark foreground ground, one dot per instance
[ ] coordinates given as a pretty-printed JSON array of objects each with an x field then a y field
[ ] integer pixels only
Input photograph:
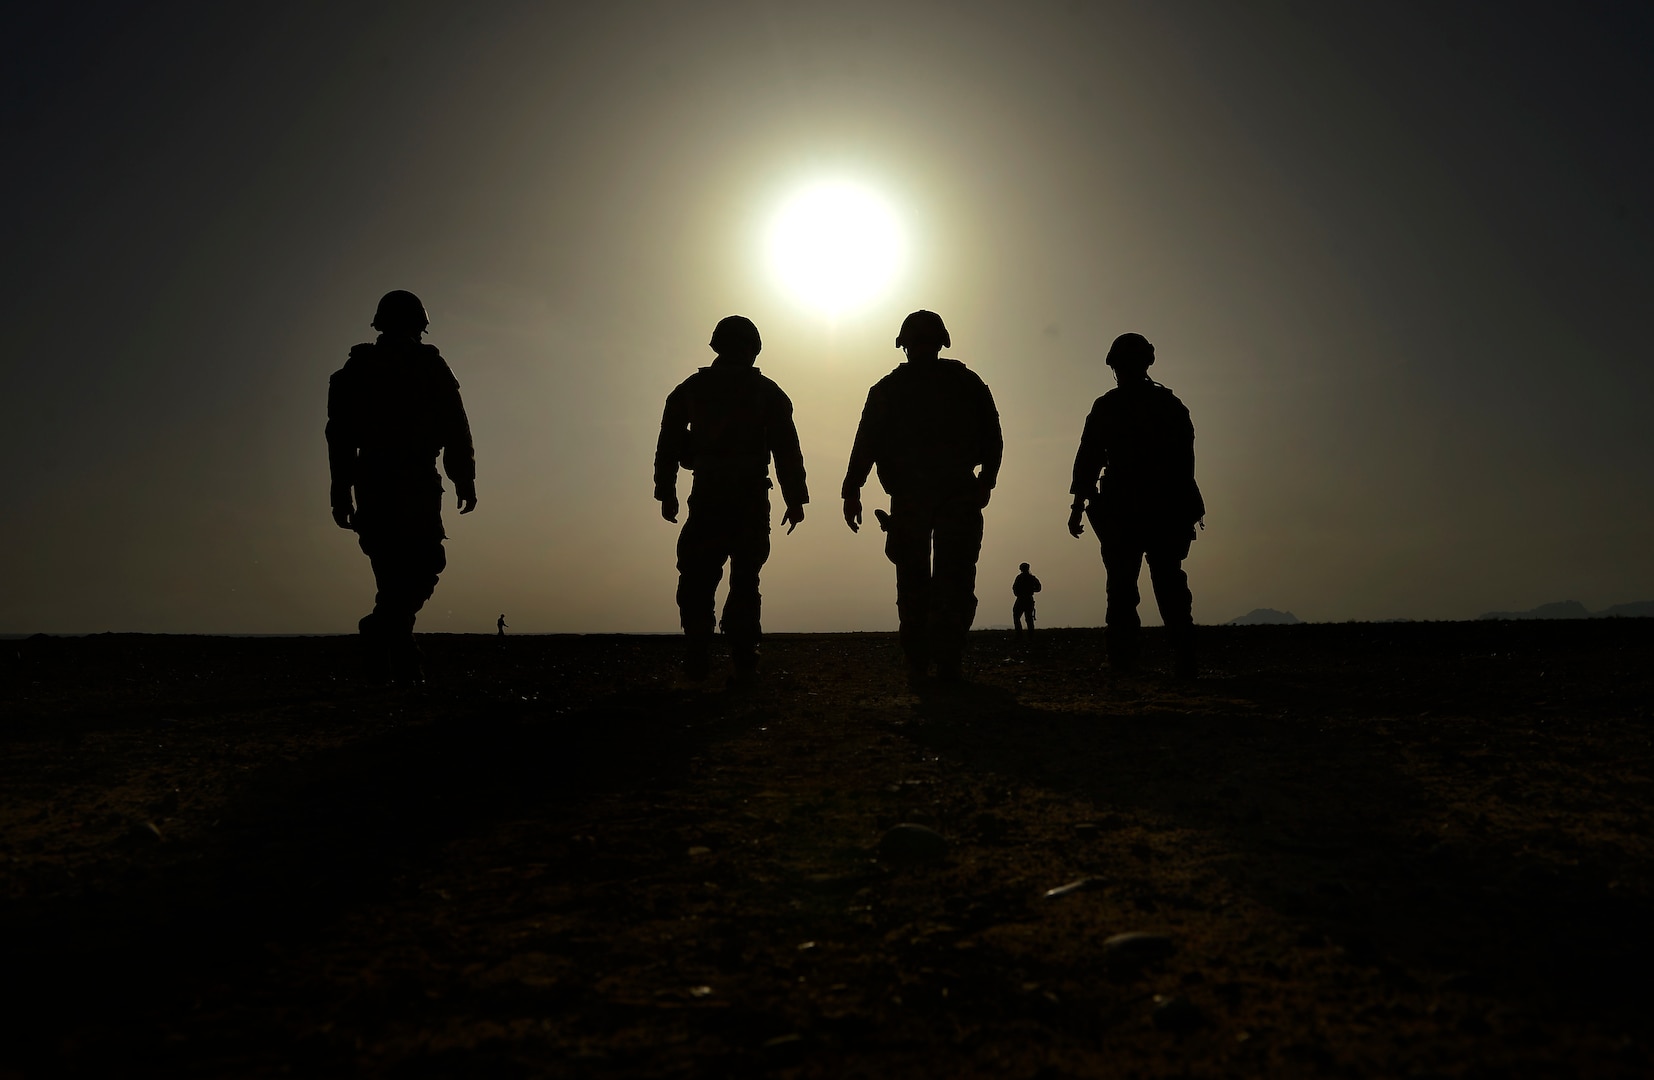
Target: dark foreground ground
[{"x": 1376, "y": 850}]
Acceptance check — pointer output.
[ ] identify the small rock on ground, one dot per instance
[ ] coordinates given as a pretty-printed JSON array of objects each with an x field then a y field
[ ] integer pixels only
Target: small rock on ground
[
  {"x": 1133, "y": 950},
  {"x": 909, "y": 844}
]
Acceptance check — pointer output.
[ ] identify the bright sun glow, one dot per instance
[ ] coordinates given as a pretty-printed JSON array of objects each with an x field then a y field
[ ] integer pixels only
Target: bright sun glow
[{"x": 836, "y": 246}]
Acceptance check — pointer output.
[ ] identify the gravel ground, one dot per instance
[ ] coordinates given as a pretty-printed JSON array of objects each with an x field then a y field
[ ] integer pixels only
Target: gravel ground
[{"x": 1356, "y": 850}]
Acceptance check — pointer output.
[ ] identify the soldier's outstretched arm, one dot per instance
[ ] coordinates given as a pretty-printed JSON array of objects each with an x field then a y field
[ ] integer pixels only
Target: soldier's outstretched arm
[
  {"x": 782, "y": 435},
  {"x": 1092, "y": 454},
  {"x": 993, "y": 443},
  {"x": 459, "y": 461},
  {"x": 341, "y": 450},
  {"x": 1089, "y": 460},
  {"x": 863, "y": 455},
  {"x": 459, "y": 456},
  {"x": 669, "y": 447},
  {"x": 1186, "y": 442}
]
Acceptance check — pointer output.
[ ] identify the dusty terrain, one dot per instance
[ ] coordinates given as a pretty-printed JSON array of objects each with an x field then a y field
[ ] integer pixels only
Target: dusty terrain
[{"x": 1378, "y": 851}]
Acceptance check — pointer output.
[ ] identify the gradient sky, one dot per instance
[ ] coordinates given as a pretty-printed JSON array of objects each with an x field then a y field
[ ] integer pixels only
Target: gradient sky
[{"x": 1395, "y": 258}]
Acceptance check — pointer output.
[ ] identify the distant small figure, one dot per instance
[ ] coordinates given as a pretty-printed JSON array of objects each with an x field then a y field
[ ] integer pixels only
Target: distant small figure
[
  {"x": 724, "y": 423},
  {"x": 1140, "y": 437},
  {"x": 500, "y": 624},
  {"x": 928, "y": 426},
  {"x": 390, "y": 410},
  {"x": 1024, "y": 588}
]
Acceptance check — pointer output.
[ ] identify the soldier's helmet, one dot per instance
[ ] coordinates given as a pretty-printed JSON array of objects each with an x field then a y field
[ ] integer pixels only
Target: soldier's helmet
[
  {"x": 1024, "y": 568},
  {"x": 736, "y": 335},
  {"x": 1130, "y": 351},
  {"x": 400, "y": 312},
  {"x": 923, "y": 329}
]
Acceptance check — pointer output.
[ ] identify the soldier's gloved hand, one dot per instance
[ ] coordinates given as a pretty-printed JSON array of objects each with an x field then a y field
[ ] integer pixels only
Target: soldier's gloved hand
[
  {"x": 794, "y": 514},
  {"x": 669, "y": 508},
  {"x": 343, "y": 515},
  {"x": 852, "y": 514},
  {"x": 1075, "y": 528},
  {"x": 467, "y": 499}
]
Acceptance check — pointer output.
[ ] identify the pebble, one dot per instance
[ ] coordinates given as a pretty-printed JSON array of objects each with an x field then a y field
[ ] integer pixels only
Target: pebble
[
  {"x": 1136, "y": 949},
  {"x": 145, "y": 832},
  {"x": 910, "y": 844},
  {"x": 1071, "y": 887}
]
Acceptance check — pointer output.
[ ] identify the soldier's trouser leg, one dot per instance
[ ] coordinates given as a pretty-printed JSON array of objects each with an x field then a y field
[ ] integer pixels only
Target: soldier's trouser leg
[
  {"x": 749, "y": 549},
  {"x": 1171, "y": 584},
  {"x": 907, "y": 544},
  {"x": 958, "y": 538},
  {"x": 701, "y": 556},
  {"x": 1171, "y": 594},
  {"x": 1123, "y": 562},
  {"x": 406, "y": 573}
]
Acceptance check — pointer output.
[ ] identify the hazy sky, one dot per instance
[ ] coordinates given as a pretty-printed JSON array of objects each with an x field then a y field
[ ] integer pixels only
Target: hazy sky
[{"x": 1395, "y": 258}]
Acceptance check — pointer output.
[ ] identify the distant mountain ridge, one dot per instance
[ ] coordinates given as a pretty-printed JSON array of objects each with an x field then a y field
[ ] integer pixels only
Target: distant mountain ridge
[
  {"x": 1573, "y": 609},
  {"x": 1560, "y": 609},
  {"x": 1265, "y": 616}
]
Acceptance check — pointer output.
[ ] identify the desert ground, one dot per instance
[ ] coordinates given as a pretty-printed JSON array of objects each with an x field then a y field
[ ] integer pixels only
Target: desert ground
[{"x": 1354, "y": 850}]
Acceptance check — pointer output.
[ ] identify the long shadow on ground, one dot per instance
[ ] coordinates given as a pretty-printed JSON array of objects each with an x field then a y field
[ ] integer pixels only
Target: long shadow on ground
[
  {"x": 1328, "y": 823},
  {"x": 315, "y": 838}
]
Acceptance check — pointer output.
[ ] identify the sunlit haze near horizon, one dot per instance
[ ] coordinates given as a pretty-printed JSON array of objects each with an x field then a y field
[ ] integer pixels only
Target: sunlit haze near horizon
[{"x": 1394, "y": 258}]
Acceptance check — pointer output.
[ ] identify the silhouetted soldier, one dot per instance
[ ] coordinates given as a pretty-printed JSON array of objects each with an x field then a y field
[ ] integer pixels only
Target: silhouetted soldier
[
  {"x": 927, "y": 426},
  {"x": 1140, "y": 437},
  {"x": 724, "y": 423},
  {"x": 390, "y": 410},
  {"x": 1023, "y": 588},
  {"x": 500, "y": 624}
]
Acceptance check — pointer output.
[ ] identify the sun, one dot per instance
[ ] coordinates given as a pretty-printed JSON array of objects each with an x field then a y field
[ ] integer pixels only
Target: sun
[{"x": 836, "y": 246}]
